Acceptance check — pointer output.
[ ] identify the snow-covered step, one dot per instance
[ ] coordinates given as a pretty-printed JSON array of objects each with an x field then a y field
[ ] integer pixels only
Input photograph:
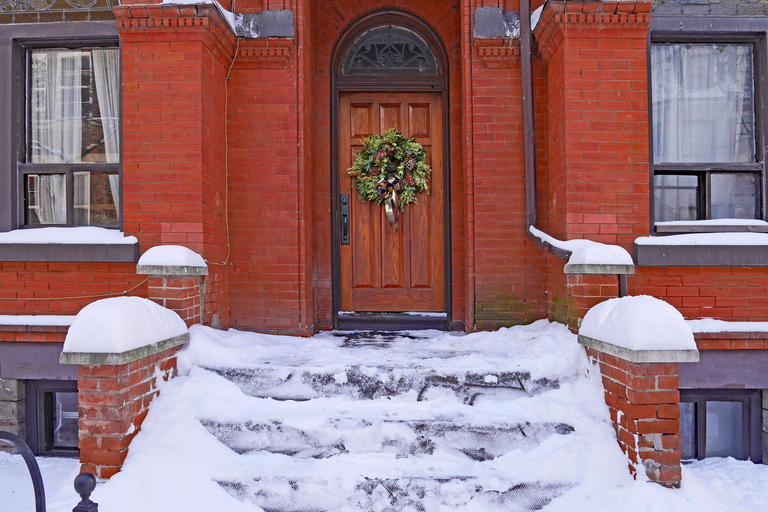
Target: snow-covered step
[
  {"x": 336, "y": 436},
  {"x": 417, "y": 494},
  {"x": 371, "y": 382}
]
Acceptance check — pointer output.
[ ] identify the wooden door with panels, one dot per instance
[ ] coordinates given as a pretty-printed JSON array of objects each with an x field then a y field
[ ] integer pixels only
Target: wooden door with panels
[{"x": 383, "y": 269}]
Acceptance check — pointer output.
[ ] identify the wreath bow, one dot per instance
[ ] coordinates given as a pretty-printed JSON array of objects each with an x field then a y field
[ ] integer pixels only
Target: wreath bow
[{"x": 388, "y": 188}]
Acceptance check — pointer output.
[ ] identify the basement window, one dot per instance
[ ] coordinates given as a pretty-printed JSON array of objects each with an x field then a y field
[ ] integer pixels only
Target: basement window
[
  {"x": 720, "y": 423},
  {"x": 52, "y": 417}
]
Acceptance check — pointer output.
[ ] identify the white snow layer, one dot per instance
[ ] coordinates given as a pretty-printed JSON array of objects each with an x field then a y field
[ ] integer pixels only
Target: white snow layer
[
  {"x": 174, "y": 462},
  {"x": 233, "y": 20},
  {"x": 587, "y": 252},
  {"x": 706, "y": 239},
  {"x": 47, "y": 320},
  {"x": 535, "y": 17},
  {"x": 78, "y": 235},
  {"x": 714, "y": 222},
  {"x": 171, "y": 256},
  {"x": 704, "y": 325},
  {"x": 121, "y": 324},
  {"x": 638, "y": 323}
]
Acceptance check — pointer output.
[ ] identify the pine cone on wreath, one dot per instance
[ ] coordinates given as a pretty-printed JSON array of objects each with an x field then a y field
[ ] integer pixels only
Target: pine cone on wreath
[{"x": 409, "y": 161}]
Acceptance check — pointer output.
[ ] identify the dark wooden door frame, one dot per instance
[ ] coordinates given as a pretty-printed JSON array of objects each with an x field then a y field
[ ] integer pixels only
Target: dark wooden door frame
[{"x": 341, "y": 85}]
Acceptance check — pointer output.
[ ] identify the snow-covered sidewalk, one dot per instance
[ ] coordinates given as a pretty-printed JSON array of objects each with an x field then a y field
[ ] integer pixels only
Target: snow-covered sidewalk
[{"x": 215, "y": 440}]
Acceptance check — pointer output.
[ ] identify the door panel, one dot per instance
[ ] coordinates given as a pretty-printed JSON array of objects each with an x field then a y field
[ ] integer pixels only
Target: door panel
[{"x": 383, "y": 269}]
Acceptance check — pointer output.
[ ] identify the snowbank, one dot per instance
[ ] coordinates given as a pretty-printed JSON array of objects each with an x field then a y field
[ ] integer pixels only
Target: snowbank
[
  {"x": 638, "y": 323},
  {"x": 587, "y": 252},
  {"x": 79, "y": 235},
  {"x": 171, "y": 256},
  {"x": 120, "y": 324}
]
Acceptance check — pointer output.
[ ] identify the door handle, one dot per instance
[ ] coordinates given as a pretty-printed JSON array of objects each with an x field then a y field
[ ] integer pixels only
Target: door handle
[{"x": 344, "y": 219}]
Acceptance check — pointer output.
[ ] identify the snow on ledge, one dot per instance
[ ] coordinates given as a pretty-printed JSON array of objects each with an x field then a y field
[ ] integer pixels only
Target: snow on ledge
[
  {"x": 40, "y": 320},
  {"x": 171, "y": 256},
  {"x": 725, "y": 239},
  {"x": 710, "y": 325},
  {"x": 75, "y": 235},
  {"x": 587, "y": 252},
  {"x": 638, "y": 323},
  {"x": 121, "y": 324},
  {"x": 715, "y": 222}
]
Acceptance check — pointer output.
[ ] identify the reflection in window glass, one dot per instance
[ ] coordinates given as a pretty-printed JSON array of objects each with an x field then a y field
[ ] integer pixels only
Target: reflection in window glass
[
  {"x": 733, "y": 195},
  {"x": 703, "y": 103},
  {"x": 675, "y": 197},
  {"x": 65, "y": 429},
  {"x": 688, "y": 430},
  {"x": 46, "y": 199},
  {"x": 96, "y": 198},
  {"x": 74, "y": 106},
  {"x": 724, "y": 429}
]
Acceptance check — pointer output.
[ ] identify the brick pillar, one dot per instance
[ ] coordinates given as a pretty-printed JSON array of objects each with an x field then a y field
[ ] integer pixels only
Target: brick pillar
[
  {"x": 642, "y": 393},
  {"x": 12, "y": 409},
  {"x": 114, "y": 393},
  {"x": 178, "y": 288}
]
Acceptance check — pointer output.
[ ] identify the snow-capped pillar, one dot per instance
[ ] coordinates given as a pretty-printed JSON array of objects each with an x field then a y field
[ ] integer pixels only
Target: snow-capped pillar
[
  {"x": 122, "y": 346},
  {"x": 637, "y": 342},
  {"x": 176, "y": 280}
]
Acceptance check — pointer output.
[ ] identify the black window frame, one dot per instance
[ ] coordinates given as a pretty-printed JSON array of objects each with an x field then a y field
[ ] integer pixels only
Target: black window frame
[
  {"x": 39, "y": 416},
  {"x": 704, "y": 171},
  {"x": 752, "y": 417},
  {"x": 23, "y": 117}
]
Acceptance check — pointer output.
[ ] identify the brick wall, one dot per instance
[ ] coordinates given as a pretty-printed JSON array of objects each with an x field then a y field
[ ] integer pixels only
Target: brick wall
[{"x": 643, "y": 399}]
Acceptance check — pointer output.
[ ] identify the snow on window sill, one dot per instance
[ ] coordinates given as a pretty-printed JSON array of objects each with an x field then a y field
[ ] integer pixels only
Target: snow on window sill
[
  {"x": 713, "y": 226},
  {"x": 703, "y": 250},
  {"x": 81, "y": 244}
]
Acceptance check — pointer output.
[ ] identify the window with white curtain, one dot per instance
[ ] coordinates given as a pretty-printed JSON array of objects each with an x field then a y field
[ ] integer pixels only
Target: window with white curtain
[
  {"x": 71, "y": 169},
  {"x": 707, "y": 162}
]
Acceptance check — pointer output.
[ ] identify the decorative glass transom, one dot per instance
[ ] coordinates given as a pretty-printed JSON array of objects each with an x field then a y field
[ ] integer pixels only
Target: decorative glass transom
[{"x": 389, "y": 51}]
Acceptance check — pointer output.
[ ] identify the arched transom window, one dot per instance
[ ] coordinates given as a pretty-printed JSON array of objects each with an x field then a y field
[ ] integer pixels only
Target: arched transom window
[{"x": 389, "y": 51}]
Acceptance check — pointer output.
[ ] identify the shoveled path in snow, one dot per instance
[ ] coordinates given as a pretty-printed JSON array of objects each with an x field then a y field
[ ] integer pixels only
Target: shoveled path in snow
[{"x": 508, "y": 420}]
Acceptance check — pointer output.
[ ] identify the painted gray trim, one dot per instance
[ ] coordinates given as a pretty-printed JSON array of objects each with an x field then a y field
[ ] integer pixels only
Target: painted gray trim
[
  {"x": 272, "y": 23},
  {"x": 171, "y": 270},
  {"x": 726, "y": 369},
  {"x": 692, "y": 228},
  {"x": 107, "y": 359},
  {"x": 33, "y": 360},
  {"x": 115, "y": 253},
  {"x": 496, "y": 22},
  {"x": 640, "y": 356},
  {"x": 710, "y": 9},
  {"x": 700, "y": 255},
  {"x": 599, "y": 269},
  {"x": 11, "y": 86}
]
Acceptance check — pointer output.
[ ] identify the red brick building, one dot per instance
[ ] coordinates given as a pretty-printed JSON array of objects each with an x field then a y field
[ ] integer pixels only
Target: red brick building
[{"x": 231, "y": 134}]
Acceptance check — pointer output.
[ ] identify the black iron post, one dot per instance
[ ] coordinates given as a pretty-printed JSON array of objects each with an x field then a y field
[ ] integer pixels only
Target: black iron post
[
  {"x": 85, "y": 483},
  {"x": 34, "y": 469}
]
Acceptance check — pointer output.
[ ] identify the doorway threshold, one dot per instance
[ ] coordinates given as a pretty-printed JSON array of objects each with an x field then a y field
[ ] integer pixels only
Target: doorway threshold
[{"x": 387, "y": 321}]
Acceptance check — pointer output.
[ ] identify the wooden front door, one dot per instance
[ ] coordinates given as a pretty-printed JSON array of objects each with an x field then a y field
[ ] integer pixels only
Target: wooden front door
[{"x": 383, "y": 269}]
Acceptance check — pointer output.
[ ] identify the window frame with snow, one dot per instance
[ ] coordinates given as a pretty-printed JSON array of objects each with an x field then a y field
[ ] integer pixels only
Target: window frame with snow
[
  {"x": 695, "y": 171},
  {"x": 70, "y": 145}
]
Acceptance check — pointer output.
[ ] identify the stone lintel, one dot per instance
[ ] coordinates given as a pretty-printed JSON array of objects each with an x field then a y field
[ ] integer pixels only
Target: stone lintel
[
  {"x": 171, "y": 270},
  {"x": 596, "y": 268},
  {"x": 112, "y": 359},
  {"x": 641, "y": 356}
]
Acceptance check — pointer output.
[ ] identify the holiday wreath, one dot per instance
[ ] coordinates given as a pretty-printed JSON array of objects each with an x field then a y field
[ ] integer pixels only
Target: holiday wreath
[{"x": 390, "y": 169}]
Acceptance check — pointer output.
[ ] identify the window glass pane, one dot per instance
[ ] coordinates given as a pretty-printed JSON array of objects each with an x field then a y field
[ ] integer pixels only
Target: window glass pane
[
  {"x": 688, "y": 430},
  {"x": 724, "y": 429},
  {"x": 96, "y": 198},
  {"x": 65, "y": 429},
  {"x": 73, "y": 106},
  {"x": 733, "y": 195},
  {"x": 46, "y": 199},
  {"x": 703, "y": 103},
  {"x": 675, "y": 197}
]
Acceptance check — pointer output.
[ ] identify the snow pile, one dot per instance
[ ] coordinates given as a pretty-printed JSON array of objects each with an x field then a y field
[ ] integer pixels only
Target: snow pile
[
  {"x": 171, "y": 256},
  {"x": 42, "y": 320},
  {"x": 638, "y": 323},
  {"x": 121, "y": 324},
  {"x": 587, "y": 252},
  {"x": 704, "y": 325},
  {"x": 79, "y": 235},
  {"x": 706, "y": 239}
]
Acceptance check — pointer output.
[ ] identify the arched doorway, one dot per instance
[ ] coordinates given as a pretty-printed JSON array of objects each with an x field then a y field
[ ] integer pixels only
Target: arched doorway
[{"x": 389, "y": 70}]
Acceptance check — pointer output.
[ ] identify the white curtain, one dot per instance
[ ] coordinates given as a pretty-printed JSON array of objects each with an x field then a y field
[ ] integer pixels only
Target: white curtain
[
  {"x": 702, "y": 103},
  {"x": 57, "y": 119},
  {"x": 49, "y": 201},
  {"x": 106, "y": 71}
]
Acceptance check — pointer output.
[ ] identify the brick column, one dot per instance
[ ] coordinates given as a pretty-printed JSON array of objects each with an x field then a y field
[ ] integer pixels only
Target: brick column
[
  {"x": 178, "y": 288},
  {"x": 114, "y": 393},
  {"x": 642, "y": 393}
]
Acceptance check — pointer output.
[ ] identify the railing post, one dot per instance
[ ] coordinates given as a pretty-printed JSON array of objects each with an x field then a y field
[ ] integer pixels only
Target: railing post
[
  {"x": 84, "y": 485},
  {"x": 34, "y": 470}
]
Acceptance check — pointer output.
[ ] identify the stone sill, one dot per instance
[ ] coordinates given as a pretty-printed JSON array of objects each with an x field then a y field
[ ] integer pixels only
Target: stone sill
[
  {"x": 171, "y": 270},
  {"x": 701, "y": 255},
  {"x": 598, "y": 269},
  {"x": 641, "y": 356},
  {"x": 110, "y": 253},
  {"x": 110, "y": 359}
]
